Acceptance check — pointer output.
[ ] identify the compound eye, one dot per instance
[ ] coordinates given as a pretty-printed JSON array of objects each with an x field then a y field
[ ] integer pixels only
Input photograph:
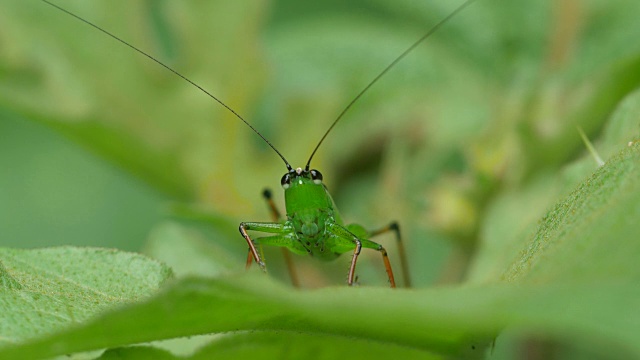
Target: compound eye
[
  {"x": 285, "y": 181},
  {"x": 316, "y": 176}
]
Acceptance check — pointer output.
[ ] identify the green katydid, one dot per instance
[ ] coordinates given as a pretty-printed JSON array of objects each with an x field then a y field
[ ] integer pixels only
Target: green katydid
[{"x": 313, "y": 225}]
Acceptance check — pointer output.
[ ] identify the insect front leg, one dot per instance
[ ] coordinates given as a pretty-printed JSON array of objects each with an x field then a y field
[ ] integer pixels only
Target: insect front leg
[
  {"x": 262, "y": 227},
  {"x": 285, "y": 238}
]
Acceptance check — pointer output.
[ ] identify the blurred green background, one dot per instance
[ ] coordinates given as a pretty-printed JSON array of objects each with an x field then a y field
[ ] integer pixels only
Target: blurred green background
[
  {"x": 98, "y": 142},
  {"x": 101, "y": 147}
]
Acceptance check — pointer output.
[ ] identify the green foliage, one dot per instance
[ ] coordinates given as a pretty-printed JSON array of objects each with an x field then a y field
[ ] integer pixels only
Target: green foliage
[
  {"x": 471, "y": 143},
  {"x": 46, "y": 289}
]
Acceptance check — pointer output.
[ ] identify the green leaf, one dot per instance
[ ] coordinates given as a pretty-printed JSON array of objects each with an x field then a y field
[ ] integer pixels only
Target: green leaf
[
  {"x": 137, "y": 353},
  {"x": 45, "y": 290},
  {"x": 575, "y": 278},
  {"x": 507, "y": 220},
  {"x": 624, "y": 125},
  {"x": 453, "y": 321},
  {"x": 589, "y": 236},
  {"x": 188, "y": 253},
  {"x": 303, "y": 345}
]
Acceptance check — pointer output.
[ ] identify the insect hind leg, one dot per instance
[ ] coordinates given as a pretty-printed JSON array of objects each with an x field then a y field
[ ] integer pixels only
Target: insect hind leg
[
  {"x": 268, "y": 197},
  {"x": 385, "y": 258},
  {"x": 401, "y": 250},
  {"x": 275, "y": 216},
  {"x": 355, "y": 234}
]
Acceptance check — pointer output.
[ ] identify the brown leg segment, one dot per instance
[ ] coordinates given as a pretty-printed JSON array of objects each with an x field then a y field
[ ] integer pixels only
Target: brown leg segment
[
  {"x": 275, "y": 215},
  {"x": 292, "y": 271},
  {"x": 252, "y": 249},
  {"x": 352, "y": 268},
  {"x": 250, "y": 257},
  {"x": 401, "y": 251},
  {"x": 387, "y": 266},
  {"x": 249, "y": 260}
]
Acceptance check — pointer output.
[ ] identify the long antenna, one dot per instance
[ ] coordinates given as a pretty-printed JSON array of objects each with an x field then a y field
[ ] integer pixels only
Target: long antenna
[
  {"x": 176, "y": 73},
  {"x": 392, "y": 64}
]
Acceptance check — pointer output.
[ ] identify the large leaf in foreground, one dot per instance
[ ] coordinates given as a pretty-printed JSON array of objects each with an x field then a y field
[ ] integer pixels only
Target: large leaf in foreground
[
  {"x": 576, "y": 278},
  {"x": 45, "y": 289}
]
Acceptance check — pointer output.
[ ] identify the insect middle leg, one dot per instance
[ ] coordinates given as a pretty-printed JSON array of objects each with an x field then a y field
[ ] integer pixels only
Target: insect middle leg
[
  {"x": 385, "y": 258},
  {"x": 275, "y": 216},
  {"x": 350, "y": 236}
]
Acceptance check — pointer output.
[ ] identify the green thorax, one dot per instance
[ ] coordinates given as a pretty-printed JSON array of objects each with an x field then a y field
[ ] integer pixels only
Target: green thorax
[{"x": 309, "y": 209}]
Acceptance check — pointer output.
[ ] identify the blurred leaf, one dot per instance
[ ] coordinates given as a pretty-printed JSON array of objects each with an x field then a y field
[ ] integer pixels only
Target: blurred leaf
[
  {"x": 623, "y": 127},
  {"x": 300, "y": 345},
  {"x": 187, "y": 252},
  {"x": 120, "y": 105},
  {"x": 507, "y": 220},
  {"x": 46, "y": 289},
  {"x": 590, "y": 235},
  {"x": 137, "y": 353}
]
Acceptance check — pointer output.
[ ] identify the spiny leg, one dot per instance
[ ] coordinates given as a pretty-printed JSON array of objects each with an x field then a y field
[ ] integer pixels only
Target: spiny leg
[
  {"x": 354, "y": 258},
  {"x": 253, "y": 253},
  {"x": 401, "y": 251},
  {"x": 387, "y": 265},
  {"x": 275, "y": 215},
  {"x": 274, "y": 228},
  {"x": 283, "y": 240},
  {"x": 250, "y": 256},
  {"x": 344, "y": 234},
  {"x": 385, "y": 260}
]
